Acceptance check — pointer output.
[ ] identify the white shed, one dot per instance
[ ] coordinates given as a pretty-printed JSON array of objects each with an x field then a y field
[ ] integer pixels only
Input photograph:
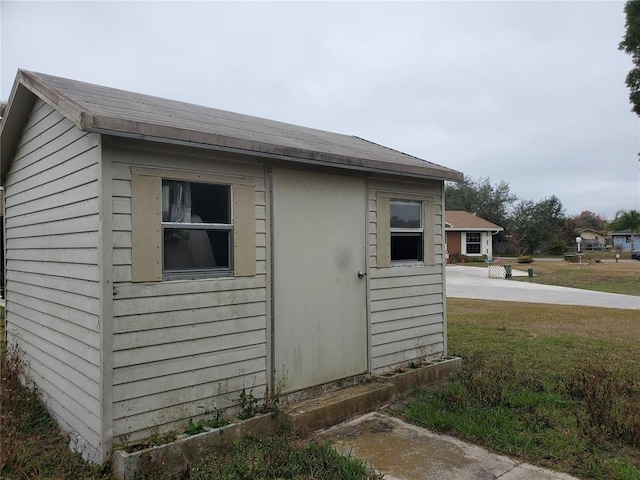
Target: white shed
[{"x": 162, "y": 255}]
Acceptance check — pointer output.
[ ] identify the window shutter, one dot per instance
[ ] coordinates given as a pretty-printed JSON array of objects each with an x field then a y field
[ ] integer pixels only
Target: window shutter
[
  {"x": 244, "y": 231},
  {"x": 146, "y": 228},
  {"x": 429, "y": 235},
  {"x": 383, "y": 233}
]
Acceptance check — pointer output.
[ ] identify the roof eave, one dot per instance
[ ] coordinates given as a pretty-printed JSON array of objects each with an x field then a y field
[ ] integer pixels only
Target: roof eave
[
  {"x": 26, "y": 88},
  {"x": 160, "y": 133},
  {"x": 15, "y": 115},
  {"x": 474, "y": 229}
]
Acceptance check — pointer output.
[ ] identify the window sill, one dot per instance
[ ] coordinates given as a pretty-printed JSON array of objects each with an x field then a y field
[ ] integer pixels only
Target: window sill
[{"x": 173, "y": 276}]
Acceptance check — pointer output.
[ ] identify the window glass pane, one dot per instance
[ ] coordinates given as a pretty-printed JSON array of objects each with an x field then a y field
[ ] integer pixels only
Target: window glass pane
[
  {"x": 473, "y": 242},
  {"x": 473, "y": 248},
  {"x": 406, "y": 247},
  {"x": 473, "y": 237},
  {"x": 187, "y": 202},
  {"x": 405, "y": 214},
  {"x": 196, "y": 249}
]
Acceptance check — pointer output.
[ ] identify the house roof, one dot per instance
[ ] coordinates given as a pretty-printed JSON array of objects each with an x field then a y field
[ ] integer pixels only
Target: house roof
[
  {"x": 109, "y": 111},
  {"x": 625, "y": 232},
  {"x": 458, "y": 220},
  {"x": 597, "y": 232}
]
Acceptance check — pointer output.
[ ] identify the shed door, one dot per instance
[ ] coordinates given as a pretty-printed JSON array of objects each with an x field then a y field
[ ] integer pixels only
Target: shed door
[{"x": 320, "y": 324}]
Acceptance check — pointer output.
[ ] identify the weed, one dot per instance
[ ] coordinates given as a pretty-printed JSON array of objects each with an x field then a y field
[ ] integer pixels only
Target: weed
[
  {"x": 158, "y": 437},
  {"x": 278, "y": 457},
  {"x": 611, "y": 404},
  {"x": 195, "y": 428},
  {"x": 214, "y": 417},
  {"x": 123, "y": 442},
  {"x": 31, "y": 443},
  {"x": 248, "y": 403}
]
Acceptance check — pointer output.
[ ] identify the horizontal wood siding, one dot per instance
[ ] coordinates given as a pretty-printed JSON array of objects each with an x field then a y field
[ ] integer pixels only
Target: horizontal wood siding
[
  {"x": 406, "y": 302},
  {"x": 53, "y": 304},
  {"x": 184, "y": 345}
]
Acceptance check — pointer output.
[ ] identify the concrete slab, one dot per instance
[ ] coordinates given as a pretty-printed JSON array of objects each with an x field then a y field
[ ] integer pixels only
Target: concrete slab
[
  {"x": 402, "y": 451},
  {"x": 473, "y": 282}
]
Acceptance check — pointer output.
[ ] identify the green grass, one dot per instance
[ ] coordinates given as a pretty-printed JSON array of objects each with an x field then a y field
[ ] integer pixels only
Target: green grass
[
  {"x": 278, "y": 457},
  {"x": 556, "y": 386},
  {"x": 606, "y": 276}
]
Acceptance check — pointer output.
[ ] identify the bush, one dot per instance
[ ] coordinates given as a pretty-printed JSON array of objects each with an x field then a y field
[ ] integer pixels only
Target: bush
[
  {"x": 557, "y": 248},
  {"x": 525, "y": 259}
]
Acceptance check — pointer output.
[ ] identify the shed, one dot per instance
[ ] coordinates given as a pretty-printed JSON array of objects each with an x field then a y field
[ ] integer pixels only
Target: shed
[
  {"x": 467, "y": 234},
  {"x": 162, "y": 256}
]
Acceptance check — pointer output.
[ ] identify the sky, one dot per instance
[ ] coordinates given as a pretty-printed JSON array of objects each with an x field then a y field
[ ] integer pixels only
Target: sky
[{"x": 530, "y": 93}]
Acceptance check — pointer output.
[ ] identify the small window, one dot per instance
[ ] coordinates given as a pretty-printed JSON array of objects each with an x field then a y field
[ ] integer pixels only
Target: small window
[
  {"x": 197, "y": 228},
  {"x": 406, "y": 226},
  {"x": 473, "y": 242}
]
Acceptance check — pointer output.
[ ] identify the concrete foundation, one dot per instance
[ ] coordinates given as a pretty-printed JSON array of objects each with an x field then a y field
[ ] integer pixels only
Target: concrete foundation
[{"x": 301, "y": 418}]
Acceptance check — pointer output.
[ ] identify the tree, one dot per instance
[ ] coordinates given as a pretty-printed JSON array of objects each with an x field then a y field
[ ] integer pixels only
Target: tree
[
  {"x": 588, "y": 219},
  {"x": 627, "y": 219},
  {"x": 533, "y": 224},
  {"x": 3, "y": 106},
  {"x": 630, "y": 44},
  {"x": 480, "y": 197}
]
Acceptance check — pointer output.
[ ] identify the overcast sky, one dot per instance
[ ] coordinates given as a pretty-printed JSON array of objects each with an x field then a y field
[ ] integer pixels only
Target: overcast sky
[{"x": 529, "y": 93}]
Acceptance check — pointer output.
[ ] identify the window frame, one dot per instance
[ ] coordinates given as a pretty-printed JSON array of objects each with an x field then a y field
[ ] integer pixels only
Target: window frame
[
  {"x": 203, "y": 272},
  {"x": 407, "y": 232},
  {"x": 478, "y": 243},
  {"x": 147, "y": 237},
  {"x": 383, "y": 228}
]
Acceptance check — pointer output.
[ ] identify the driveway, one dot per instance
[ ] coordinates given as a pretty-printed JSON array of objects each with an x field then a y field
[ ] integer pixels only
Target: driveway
[{"x": 474, "y": 282}]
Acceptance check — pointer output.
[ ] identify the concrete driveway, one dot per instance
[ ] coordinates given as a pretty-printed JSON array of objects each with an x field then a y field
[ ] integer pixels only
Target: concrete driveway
[{"x": 474, "y": 282}]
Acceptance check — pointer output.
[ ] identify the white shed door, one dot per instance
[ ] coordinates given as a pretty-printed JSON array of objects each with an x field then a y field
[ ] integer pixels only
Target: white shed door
[{"x": 320, "y": 331}]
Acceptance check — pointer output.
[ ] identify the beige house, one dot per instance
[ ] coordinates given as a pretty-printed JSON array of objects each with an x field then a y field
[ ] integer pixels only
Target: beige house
[
  {"x": 161, "y": 256},
  {"x": 469, "y": 235},
  {"x": 593, "y": 239}
]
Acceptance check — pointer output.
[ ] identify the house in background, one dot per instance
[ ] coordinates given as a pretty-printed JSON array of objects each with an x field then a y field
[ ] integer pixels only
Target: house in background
[
  {"x": 467, "y": 234},
  {"x": 593, "y": 239},
  {"x": 622, "y": 240},
  {"x": 162, "y": 256}
]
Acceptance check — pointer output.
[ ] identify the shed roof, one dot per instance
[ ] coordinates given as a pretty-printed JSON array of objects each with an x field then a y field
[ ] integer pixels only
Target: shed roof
[
  {"x": 465, "y": 221},
  {"x": 104, "y": 110}
]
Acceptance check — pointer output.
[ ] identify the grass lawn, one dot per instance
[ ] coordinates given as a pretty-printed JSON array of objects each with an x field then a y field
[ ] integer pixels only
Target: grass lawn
[
  {"x": 555, "y": 385},
  {"x": 606, "y": 276}
]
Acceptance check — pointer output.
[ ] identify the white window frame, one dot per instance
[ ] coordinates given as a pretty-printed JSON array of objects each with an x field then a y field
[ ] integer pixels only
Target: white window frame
[
  {"x": 412, "y": 232},
  {"x": 467, "y": 243}
]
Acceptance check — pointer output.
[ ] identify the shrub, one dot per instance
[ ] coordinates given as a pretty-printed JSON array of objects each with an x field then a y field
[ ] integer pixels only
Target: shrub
[
  {"x": 525, "y": 259},
  {"x": 557, "y": 248}
]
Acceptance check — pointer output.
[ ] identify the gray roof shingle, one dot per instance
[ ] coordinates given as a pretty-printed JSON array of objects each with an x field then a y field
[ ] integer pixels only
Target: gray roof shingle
[{"x": 116, "y": 112}]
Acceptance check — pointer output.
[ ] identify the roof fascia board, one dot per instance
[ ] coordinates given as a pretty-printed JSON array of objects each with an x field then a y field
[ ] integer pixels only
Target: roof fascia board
[
  {"x": 65, "y": 105},
  {"x": 16, "y": 113},
  {"x": 475, "y": 229},
  {"x": 161, "y": 134}
]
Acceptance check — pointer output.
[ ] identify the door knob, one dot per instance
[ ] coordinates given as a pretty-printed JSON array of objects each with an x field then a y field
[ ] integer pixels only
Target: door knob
[{"x": 362, "y": 274}]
